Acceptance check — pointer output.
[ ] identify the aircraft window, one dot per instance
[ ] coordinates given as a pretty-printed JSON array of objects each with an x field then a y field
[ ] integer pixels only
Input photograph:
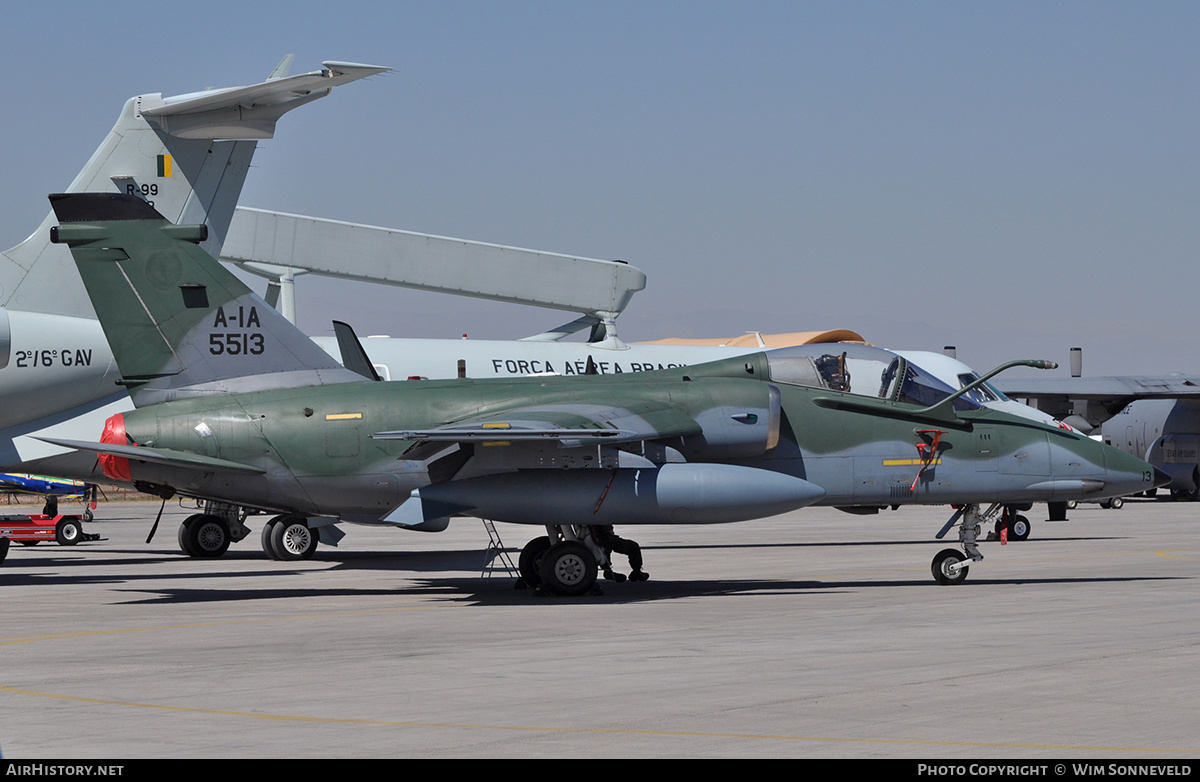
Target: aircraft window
[
  {"x": 982, "y": 395},
  {"x": 920, "y": 388},
  {"x": 834, "y": 371},
  {"x": 798, "y": 370},
  {"x": 867, "y": 371},
  {"x": 850, "y": 372},
  {"x": 888, "y": 379}
]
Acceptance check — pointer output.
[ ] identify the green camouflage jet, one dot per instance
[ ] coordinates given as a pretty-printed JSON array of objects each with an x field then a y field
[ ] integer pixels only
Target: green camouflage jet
[{"x": 237, "y": 408}]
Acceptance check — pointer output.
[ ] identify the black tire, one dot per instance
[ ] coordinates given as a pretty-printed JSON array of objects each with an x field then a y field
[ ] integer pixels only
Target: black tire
[
  {"x": 184, "y": 536},
  {"x": 88, "y": 515},
  {"x": 1116, "y": 503},
  {"x": 3, "y": 549},
  {"x": 568, "y": 569},
  {"x": 529, "y": 563},
  {"x": 941, "y": 563},
  {"x": 292, "y": 539},
  {"x": 268, "y": 547},
  {"x": 1072, "y": 504},
  {"x": 68, "y": 532},
  {"x": 208, "y": 536},
  {"x": 1018, "y": 528}
]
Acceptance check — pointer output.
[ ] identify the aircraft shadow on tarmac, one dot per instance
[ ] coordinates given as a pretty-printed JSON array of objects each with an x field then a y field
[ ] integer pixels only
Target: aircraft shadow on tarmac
[{"x": 497, "y": 588}]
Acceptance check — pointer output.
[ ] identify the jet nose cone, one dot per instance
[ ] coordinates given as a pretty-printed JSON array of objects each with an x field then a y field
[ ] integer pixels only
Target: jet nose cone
[{"x": 1161, "y": 478}]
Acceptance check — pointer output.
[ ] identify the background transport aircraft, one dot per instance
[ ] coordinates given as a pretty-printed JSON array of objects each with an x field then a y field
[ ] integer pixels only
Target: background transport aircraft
[
  {"x": 236, "y": 407},
  {"x": 1156, "y": 418},
  {"x": 188, "y": 155}
]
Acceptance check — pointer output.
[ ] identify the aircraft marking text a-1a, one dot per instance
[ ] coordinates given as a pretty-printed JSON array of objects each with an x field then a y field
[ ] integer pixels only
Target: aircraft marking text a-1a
[{"x": 236, "y": 407}]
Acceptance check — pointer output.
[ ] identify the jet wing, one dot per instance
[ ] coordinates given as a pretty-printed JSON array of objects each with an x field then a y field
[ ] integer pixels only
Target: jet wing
[
  {"x": 570, "y": 424},
  {"x": 1101, "y": 388},
  {"x": 158, "y": 455},
  {"x": 1089, "y": 401}
]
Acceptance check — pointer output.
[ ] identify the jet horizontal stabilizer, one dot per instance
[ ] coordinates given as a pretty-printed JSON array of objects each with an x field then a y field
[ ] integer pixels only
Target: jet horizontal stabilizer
[{"x": 248, "y": 112}]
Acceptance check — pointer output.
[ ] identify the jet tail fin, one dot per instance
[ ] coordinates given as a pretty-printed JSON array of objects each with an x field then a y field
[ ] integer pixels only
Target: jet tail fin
[
  {"x": 187, "y": 155},
  {"x": 179, "y": 323}
]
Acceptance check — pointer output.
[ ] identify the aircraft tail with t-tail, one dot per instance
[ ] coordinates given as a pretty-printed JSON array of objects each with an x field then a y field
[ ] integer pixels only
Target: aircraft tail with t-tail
[{"x": 186, "y": 155}]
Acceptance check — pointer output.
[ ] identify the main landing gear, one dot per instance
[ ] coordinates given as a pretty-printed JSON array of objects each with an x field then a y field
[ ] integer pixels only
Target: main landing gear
[
  {"x": 208, "y": 534},
  {"x": 565, "y": 562},
  {"x": 289, "y": 538}
]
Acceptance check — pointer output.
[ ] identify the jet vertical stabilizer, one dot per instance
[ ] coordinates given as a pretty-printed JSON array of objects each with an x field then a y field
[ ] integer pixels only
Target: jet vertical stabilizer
[
  {"x": 187, "y": 156},
  {"x": 177, "y": 322}
]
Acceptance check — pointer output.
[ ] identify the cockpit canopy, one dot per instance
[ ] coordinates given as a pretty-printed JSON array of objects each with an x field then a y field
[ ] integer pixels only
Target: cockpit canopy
[{"x": 870, "y": 371}]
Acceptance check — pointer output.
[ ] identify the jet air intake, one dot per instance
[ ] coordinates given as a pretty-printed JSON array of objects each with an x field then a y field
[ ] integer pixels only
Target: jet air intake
[{"x": 730, "y": 432}]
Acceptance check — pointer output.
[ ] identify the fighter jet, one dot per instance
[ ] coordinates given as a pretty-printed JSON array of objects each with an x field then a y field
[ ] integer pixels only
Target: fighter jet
[
  {"x": 1156, "y": 418},
  {"x": 188, "y": 155},
  {"x": 236, "y": 407}
]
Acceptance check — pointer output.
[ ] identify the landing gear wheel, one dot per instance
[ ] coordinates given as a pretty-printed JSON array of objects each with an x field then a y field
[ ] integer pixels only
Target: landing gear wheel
[
  {"x": 87, "y": 514},
  {"x": 1116, "y": 503},
  {"x": 1018, "y": 528},
  {"x": 942, "y": 564},
  {"x": 68, "y": 532},
  {"x": 267, "y": 546},
  {"x": 206, "y": 536},
  {"x": 528, "y": 564},
  {"x": 184, "y": 536},
  {"x": 568, "y": 569},
  {"x": 292, "y": 539},
  {"x": 1072, "y": 504}
]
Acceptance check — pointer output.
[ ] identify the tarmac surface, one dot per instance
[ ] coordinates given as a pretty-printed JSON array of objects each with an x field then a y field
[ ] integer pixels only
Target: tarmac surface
[{"x": 813, "y": 634}]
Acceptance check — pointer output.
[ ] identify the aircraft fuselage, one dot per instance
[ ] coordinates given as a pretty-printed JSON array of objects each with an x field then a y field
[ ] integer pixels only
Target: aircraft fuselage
[{"x": 317, "y": 457}]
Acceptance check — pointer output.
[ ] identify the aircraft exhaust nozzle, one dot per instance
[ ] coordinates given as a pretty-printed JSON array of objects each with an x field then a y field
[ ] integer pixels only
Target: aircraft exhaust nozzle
[
  {"x": 670, "y": 494},
  {"x": 115, "y": 467}
]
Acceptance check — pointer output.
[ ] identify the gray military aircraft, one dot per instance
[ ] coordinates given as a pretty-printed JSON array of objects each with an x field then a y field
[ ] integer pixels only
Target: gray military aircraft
[
  {"x": 1156, "y": 418},
  {"x": 188, "y": 155},
  {"x": 237, "y": 408}
]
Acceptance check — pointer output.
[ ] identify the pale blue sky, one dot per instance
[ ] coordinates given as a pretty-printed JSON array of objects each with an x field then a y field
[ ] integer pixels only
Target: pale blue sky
[{"x": 1013, "y": 178}]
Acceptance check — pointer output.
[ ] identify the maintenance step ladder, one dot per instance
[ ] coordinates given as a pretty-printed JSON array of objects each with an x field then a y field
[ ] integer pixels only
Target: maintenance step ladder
[{"x": 496, "y": 558}]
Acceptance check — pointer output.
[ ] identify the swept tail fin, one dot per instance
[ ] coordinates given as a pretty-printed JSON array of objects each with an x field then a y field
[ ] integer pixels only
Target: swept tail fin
[
  {"x": 179, "y": 323},
  {"x": 187, "y": 155}
]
